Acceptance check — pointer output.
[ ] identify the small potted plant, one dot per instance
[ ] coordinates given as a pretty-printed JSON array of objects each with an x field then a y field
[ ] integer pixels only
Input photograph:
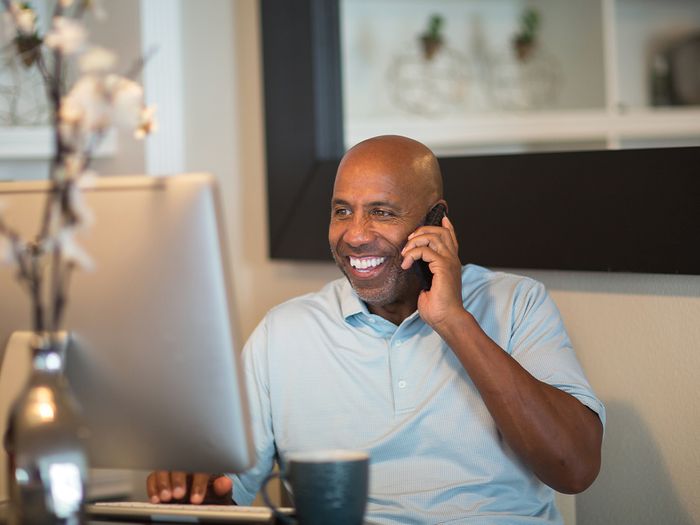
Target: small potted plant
[
  {"x": 432, "y": 39},
  {"x": 525, "y": 41}
]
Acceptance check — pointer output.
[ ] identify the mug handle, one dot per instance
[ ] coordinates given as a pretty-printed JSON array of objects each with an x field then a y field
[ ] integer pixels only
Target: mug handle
[{"x": 282, "y": 518}]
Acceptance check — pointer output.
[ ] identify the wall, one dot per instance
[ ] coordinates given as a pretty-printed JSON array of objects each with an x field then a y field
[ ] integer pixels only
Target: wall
[{"x": 638, "y": 338}]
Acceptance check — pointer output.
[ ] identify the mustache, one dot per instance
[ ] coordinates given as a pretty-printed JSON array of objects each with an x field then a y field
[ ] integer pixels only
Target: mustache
[
  {"x": 359, "y": 252},
  {"x": 343, "y": 250}
]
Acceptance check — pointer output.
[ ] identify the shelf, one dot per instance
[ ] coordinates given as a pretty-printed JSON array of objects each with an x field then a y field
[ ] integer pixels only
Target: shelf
[
  {"x": 600, "y": 97},
  {"x": 35, "y": 143},
  {"x": 657, "y": 123},
  {"x": 553, "y": 126}
]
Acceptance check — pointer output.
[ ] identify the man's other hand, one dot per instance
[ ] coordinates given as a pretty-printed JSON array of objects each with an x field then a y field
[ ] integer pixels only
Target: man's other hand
[{"x": 179, "y": 487}]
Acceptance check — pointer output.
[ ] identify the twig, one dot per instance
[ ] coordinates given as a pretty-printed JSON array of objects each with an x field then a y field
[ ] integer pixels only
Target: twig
[
  {"x": 80, "y": 9},
  {"x": 55, "y": 97},
  {"x": 61, "y": 299},
  {"x": 35, "y": 285},
  {"x": 139, "y": 64}
]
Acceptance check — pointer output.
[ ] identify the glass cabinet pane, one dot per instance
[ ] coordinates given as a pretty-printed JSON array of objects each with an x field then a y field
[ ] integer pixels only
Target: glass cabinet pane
[{"x": 443, "y": 69}]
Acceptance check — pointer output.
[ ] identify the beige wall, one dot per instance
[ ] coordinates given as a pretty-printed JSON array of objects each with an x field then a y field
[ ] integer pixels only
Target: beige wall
[{"x": 638, "y": 336}]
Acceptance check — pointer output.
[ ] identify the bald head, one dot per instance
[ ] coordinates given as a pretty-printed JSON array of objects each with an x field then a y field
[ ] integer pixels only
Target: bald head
[{"x": 408, "y": 161}]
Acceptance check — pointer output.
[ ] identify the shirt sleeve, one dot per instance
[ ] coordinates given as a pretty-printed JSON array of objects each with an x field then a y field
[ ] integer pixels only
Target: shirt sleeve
[
  {"x": 539, "y": 342},
  {"x": 255, "y": 352}
]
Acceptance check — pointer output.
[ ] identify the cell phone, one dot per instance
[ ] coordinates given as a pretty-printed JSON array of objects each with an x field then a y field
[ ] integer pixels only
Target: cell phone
[{"x": 434, "y": 218}]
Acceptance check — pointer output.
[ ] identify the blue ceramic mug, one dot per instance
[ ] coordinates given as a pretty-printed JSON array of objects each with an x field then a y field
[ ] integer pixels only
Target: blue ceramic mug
[{"x": 327, "y": 486}]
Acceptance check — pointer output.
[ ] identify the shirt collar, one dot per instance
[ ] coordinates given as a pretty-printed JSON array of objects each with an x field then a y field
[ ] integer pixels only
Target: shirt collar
[{"x": 351, "y": 305}]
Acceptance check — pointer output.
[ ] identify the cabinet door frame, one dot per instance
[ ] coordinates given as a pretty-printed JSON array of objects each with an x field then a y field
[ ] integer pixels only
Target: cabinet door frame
[{"x": 608, "y": 210}]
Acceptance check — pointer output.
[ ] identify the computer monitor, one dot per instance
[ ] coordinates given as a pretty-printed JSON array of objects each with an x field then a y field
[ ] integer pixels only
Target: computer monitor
[{"x": 153, "y": 361}]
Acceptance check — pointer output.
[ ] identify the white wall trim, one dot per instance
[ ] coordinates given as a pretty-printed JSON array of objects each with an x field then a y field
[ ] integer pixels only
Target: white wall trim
[{"x": 161, "y": 30}]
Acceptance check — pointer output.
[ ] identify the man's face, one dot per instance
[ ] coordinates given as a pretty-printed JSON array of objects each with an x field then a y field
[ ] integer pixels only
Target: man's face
[{"x": 372, "y": 213}]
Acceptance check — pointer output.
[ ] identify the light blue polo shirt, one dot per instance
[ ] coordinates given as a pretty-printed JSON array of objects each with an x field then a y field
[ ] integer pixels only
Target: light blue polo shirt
[{"x": 324, "y": 373}]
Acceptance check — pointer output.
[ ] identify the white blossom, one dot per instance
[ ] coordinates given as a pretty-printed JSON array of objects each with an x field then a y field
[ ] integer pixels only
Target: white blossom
[
  {"x": 97, "y": 60},
  {"x": 147, "y": 123},
  {"x": 72, "y": 252},
  {"x": 82, "y": 213},
  {"x": 66, "y": 35},
  {"x": 26, "y": 20},
  {"x": 87, "y": 179},
  {"x": 127, "y": 100},
  {"x": 86, "y": 107},
  {"x": 73, "y": 165}
]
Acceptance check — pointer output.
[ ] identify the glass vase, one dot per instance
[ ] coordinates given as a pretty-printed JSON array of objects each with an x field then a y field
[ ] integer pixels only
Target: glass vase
[{"x": 45, "y": 442}]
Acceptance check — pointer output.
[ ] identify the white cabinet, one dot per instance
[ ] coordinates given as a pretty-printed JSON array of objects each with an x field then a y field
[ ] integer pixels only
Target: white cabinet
[{"x": 588, "y": 84}]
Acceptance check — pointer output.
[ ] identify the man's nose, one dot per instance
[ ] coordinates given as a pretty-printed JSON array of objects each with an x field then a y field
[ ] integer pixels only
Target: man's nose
[{"x": 359, "y": 231}]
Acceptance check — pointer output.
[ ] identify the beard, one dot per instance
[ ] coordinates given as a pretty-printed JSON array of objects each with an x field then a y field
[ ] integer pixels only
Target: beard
[{"x": 395, "y": 282}]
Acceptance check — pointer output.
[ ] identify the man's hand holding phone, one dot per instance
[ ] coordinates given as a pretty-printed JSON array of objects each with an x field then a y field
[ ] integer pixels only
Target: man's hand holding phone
[
  {"x": 437, "y": 247},
  {"x": 179, "y": 487}
]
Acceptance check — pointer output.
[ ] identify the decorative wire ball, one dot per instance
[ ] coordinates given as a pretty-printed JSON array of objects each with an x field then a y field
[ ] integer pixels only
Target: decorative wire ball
[
  {"x": 531, "y": 83},
  {"x": 22, "y": 93},
  {"x": 428, "y": 86}
]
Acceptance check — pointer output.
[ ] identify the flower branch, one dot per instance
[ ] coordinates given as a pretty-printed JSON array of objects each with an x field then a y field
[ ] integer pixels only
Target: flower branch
[{"x": 80, "y": 119}]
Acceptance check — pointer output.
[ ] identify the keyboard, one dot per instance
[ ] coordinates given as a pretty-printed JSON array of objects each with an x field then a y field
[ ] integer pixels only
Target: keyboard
[{"x": 176, "y": 513}]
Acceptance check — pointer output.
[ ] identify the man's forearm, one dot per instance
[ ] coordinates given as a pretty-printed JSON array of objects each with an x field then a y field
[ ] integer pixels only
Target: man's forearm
[{"x": 557, "y": 436}]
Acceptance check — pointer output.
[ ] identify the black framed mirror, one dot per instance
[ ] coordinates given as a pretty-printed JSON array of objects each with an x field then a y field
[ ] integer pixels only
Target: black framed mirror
[{"x": 635, "y": 210}]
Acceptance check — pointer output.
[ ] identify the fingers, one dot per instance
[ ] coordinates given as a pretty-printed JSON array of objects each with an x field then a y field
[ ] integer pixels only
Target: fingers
[
  {"x": 428, "y": 246},
  {"x": 178, "y": 482},
  {"x": 223, "y": 486},
  {"x": 164, "y": 486},
  {"x": 446, "y": 223},
  {"x": 199, "y": 487},
  {"x": 441, "y": 239},
  {"x": 151, "y": 488},
  {"x": 159, "y": 487},
  {"x": 220, "y": 490},
  {"x": 424, "y": 253}
]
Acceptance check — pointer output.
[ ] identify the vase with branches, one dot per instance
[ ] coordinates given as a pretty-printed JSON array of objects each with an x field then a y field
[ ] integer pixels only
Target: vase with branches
[{"x": 86, "y": 98}]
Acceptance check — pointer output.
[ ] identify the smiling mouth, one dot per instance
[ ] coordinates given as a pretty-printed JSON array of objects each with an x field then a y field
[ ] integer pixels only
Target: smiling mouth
[{"x": 366, "y": 265}]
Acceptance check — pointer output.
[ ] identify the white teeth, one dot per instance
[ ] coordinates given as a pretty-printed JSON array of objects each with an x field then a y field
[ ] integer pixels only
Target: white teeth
[{"x": 366, "y": 262}]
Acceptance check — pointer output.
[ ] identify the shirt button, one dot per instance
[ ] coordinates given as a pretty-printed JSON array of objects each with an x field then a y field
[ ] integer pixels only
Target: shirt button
[{"x": 402, "y": 384}]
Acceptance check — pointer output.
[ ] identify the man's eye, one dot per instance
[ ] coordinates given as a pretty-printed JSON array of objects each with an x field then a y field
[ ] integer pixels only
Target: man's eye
[
  {"x": 341, "y": 212},
  {"x": 382, "y": 214}
]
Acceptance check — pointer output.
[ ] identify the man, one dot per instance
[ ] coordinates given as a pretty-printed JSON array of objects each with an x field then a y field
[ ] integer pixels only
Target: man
[{"x": 468, "y": 395}]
